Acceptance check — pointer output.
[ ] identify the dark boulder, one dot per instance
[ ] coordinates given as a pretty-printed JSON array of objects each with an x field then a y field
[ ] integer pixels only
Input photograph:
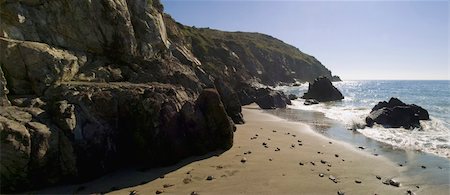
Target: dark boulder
[
  {"x": 271, "y": 99},
  {"x": 33, "y": 151},
  {"x": 397, "y": 114},
  {"x": 219, "y": 126},
  {"x": 230, "y": 100},
  {"x": 393, "y": 102},
  {"x": 323, "y": 91},
  {"x": 246, "y": 93},
  {"x": 266, "y": 98},
  {"x": 85, "y": 130}
]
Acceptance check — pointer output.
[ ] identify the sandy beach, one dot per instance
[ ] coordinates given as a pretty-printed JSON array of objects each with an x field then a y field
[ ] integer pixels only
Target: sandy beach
[{"x": 269, "y": 156}]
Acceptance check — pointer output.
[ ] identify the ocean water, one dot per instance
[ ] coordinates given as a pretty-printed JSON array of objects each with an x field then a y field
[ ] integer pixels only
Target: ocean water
[{"x": 361, "y": 96}]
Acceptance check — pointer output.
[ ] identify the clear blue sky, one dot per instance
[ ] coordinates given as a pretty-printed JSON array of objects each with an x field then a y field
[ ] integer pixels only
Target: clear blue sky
[{"x": 354, "y": 39}]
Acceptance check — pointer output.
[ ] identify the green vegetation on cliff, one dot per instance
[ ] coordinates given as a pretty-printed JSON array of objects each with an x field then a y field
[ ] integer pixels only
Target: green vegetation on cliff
[{"x": 246, "y": 56}]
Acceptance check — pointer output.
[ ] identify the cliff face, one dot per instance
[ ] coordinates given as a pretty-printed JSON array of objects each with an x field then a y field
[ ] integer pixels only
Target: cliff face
[
  {"x": 89, "y": 86},
  {"x": 247, "y": 56}
]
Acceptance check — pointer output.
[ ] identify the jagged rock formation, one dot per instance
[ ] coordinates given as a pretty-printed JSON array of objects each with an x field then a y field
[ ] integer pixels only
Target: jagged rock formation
[
  {"x": 322, "y": 90},
  {"x": 266, "y": 98},
  {"x": 90, "y": 86},
  {"x": 397, "y": 114},
  {"x": 3, "y": 90}
]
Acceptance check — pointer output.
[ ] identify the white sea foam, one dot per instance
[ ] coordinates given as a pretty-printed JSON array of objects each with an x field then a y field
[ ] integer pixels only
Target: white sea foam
[
  {"x": 361, "y": 96},
  {"x": 433, "y": 137}
]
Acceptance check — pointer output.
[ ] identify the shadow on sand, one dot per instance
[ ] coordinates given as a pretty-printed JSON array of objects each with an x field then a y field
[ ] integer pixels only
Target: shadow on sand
[{"x": 122, "y": 178}]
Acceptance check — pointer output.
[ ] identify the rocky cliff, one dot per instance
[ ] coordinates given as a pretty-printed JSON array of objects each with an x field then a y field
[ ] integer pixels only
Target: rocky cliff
[
  {"x": 243, "y": 56},
  {"x": 90, "y": 86}
]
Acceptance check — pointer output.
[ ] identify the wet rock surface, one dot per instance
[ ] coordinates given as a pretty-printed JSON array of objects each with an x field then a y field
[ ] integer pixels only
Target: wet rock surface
[
  {"x": 266, "y": 98},
  {"x": 395, "y": 114},
  {"x": 322, "y": 90}
]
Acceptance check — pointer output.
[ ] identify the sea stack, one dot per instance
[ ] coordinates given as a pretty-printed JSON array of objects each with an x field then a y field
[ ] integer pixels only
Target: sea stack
[
  {"x": 396, "y": 114},
  {"x": 322, "y": 90}
]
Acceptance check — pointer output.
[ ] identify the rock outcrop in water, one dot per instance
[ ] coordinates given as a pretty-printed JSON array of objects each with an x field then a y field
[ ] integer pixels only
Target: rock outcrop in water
[
  {"x": 90, "y": 86},
  {"x": 397, "y": 114},
  {"x": 322, "y": 90}
]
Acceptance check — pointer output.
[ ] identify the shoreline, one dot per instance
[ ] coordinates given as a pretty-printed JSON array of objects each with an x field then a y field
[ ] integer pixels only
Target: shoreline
[
  {"x": 265, "y": 170},
  {"x": 418, "y": 165}
]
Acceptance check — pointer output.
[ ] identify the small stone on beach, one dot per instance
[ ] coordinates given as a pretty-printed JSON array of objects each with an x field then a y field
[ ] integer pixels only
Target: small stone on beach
[
  {"x": 394, "y": 183},
  {"x": 194, "y": 193},
  {"x": 187, "y": 180},
  {"x": 336, "y": 155},
  {"x": 209, "y": 178},
  {"x": 167, "y": 185},
  {"x": 340, "y": 193},
  {"x": 312, "y": 162},
  {"x": 243, "y": 160},
  {"x": 300, "y": 163},
  {"x": 423, "y": 167},
  {"x": 278, "y": 149},
  {"x": 330, "y": 142},
  {"x": 159, "y": 191},
  {"x": 378, "y": 177},
  {"x": 332, "y": 178},
  {"x": 323, "y": 162},
  {"x": 321, "y": 175},
  {"x": 361, "y": 147},
  {"x": 133, "y": 192},
  {"x": 358, "y": 181}
]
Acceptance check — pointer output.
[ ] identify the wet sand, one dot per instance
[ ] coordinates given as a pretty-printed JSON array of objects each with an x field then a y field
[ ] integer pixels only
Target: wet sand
[
  {"x": 417, "y": 167},
  {"x": 270, "y": 155}
]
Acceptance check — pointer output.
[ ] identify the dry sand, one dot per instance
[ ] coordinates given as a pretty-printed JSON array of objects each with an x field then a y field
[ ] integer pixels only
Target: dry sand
[{"x": 266, "y": 170}]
